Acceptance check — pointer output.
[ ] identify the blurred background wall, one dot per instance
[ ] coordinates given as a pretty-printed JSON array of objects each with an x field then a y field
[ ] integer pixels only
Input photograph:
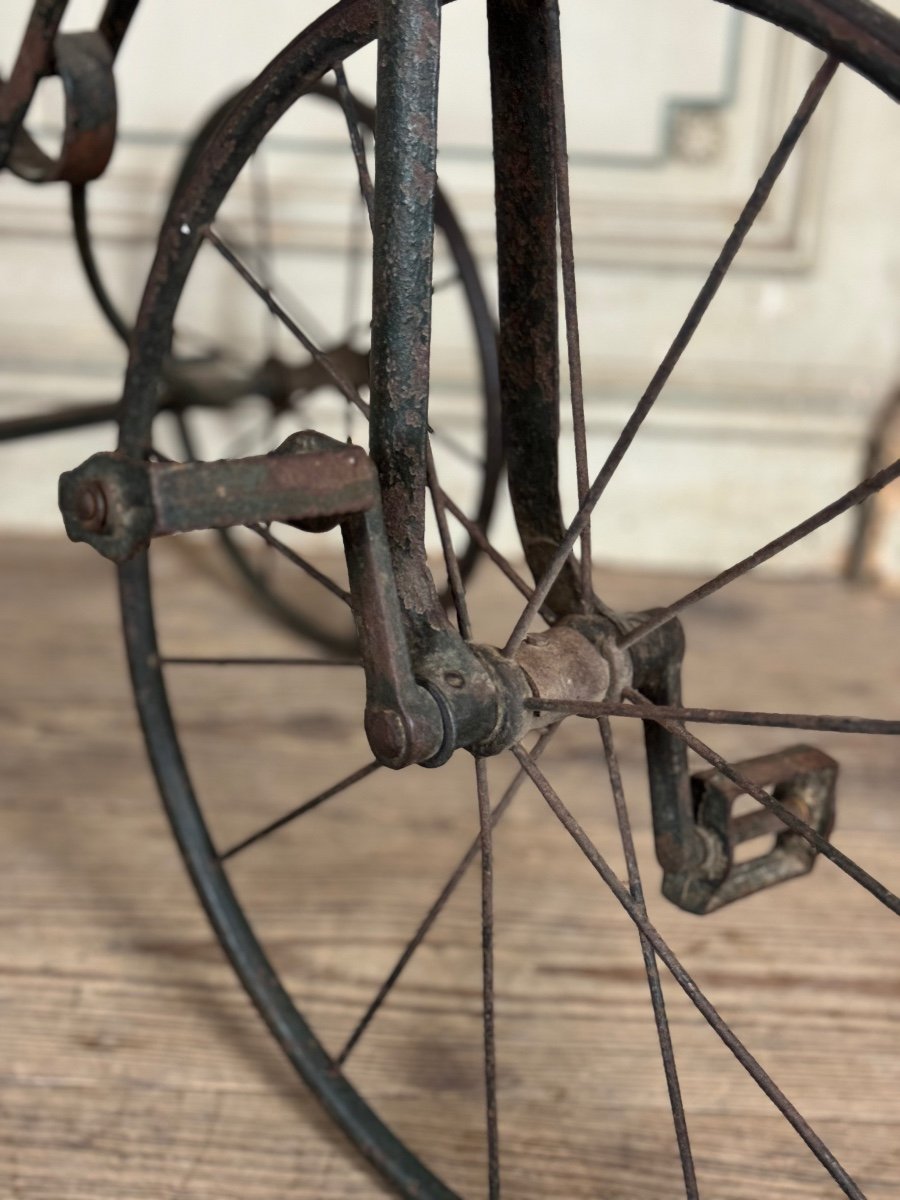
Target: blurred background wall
[{"x": 673, "y": 109}]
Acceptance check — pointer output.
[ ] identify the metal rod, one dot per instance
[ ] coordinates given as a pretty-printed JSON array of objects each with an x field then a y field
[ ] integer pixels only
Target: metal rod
[
  {"x": 570, "y": 302},
  {"x": 713, "y": 716},
  {"x": 440, "y": 903},
  {"x": 301, "y": 809},
  {"x": 651, "y": 966},
  {"x": 487, "y": 976}
]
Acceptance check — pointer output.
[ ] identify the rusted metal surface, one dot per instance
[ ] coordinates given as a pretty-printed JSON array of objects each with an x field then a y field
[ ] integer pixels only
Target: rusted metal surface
[
  {"x": 723, "y": 716},
  {"x": 84, "y": 63},
  {"x": 526, "y": 264},
  {"x": 404, "y": 722},
  {"x": 421, "y": 706},
  {"x": 558, "y": 560},
  {"x": 403, "y": 235},
  {"x": 143, "y": 500},
  {"x": 860, "y": 33},
  {"x": 34, "y": 61},
  {"x": 804, "y": 780},
  {"x": 657, "y": 675}
]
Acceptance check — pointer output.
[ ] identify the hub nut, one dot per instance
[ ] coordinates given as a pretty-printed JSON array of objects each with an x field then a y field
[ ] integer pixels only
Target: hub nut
[{"x": 90, "y": 507}]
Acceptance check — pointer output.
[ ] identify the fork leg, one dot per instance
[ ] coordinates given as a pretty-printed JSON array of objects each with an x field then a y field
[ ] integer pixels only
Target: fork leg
[{"x": 406, "y": 132}]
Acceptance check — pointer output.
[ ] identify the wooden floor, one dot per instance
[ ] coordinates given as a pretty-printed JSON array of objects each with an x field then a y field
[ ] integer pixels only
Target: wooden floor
[{"x": 134, "y": 1067}]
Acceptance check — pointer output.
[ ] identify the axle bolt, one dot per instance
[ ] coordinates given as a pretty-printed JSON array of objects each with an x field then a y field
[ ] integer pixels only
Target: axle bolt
[
  {"x": 388, "y": 737},
  {"x": 90, "y": 507}
]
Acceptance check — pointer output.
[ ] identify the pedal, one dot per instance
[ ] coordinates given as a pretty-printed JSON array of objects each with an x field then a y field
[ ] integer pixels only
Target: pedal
[
  {"x": 118, "y": 505},
  {"x": 803, "y": 779}
]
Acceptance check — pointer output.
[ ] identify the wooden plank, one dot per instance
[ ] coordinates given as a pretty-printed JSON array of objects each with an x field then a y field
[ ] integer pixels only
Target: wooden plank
[{"x": 133, "y": 1066}]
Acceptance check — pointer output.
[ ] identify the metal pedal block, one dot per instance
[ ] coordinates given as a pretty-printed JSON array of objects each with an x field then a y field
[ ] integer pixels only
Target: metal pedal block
[
  {"x": 118, "y": 505},
  {"x": 803, "y": 779}
]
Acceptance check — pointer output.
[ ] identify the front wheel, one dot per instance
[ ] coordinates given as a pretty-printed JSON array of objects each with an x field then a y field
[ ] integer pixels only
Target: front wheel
[{"x": 582, "y": 955}]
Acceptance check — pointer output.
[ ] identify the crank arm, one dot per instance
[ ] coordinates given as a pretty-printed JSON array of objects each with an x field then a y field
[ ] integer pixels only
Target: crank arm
[
  {"x": 803, "y": 779},
  {"x": 696, "y": 831},
  {"x": 118, "y": 505},
  {"x": 429, "y": 696}
]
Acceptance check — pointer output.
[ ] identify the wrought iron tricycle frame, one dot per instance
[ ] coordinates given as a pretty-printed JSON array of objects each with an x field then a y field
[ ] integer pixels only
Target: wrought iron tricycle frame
[{"x": 430, "y": 690}]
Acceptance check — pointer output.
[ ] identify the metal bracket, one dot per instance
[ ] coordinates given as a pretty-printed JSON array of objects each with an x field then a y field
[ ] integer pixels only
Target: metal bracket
[
  {"x": 694, "y": 829},
  {"x": 803, "y": 779},
  {"x": 84, "y": 64}
]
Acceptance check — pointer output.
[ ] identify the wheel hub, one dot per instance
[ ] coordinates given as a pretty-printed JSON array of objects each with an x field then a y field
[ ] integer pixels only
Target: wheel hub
[{"x": 576, "y": 658}]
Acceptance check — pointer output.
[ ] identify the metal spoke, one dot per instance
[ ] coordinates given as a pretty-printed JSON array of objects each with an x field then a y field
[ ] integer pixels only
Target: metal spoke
[
  {"x": 301, "y": 809},
  {"x": 713, "y": 716},
  {"x": 348, "y": 105},
  {"x": 186, "y": 661},
  {"x": 756, "y": 1071},
  {"x": 487, "y": 976},
  {"x": 438, "y": 906},
  {"x": 462, "y": 453},
  {"x": 784, "y": 814},
  {"x": 347, "y": 389},
  {"x": 290, "y": 300},
  {"x": 477, "y": 534},
  {"x": 570, "y": 304},
  {"x": 351, "y": 393},
  {"x": 651, "y": 966},
  {"x": 292, "y": 556},
  {"x": 341, "y": 382},
  {"x": 867, "y": 488},
  {"x": 361, "y": 216},
  {"x": 353, "y": 289},
  {"x": 262, "y": 230},
  {"x": 682, "y": 339},
  {"x": 451, "y": 560}
]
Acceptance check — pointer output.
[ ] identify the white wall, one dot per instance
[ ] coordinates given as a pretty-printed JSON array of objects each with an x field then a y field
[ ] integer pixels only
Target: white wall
[{"x": 673, "y": 108}]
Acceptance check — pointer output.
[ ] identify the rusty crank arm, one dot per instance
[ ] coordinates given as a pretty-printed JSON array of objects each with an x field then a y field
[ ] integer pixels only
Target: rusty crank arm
[{"x": 118, "y": 505}]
